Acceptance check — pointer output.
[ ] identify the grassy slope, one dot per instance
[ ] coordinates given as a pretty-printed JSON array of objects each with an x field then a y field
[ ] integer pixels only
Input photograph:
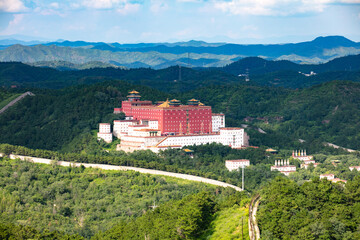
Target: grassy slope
[{"x": 227, "y": 224}]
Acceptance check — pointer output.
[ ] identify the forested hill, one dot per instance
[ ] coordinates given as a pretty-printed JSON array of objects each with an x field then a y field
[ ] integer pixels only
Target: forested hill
[
  {"x": 54, "y": 118},
  {"x": 172, "y": 79},
  {"x": 176, "y": 79},
  {"x": 256, "y": 65},
  {"x": 327, "y": 112}
]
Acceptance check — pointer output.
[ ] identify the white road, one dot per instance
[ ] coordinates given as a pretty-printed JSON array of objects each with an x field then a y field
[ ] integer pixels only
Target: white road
[{"x": 124, "y": 168}]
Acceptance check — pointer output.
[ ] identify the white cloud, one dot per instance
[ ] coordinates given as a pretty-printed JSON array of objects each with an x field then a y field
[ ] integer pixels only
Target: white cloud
[
  {"x": 350, "y": 1},
  {"x": 123, "y": 7},
  {"x": 14, "y": 25},
  {"x": 12, "y": 6},
  {"x": 100, "y": 4},
  {"x": 128, "y": 8},
  {"x": 249, "y": 28},
  {"x": 17, "y": 19},
  {"x": 275, "y": 7},
  {"x": 192, "y": 1},
  {"x": 158, "y": 6},
  {"x": 54, "y": 5}
]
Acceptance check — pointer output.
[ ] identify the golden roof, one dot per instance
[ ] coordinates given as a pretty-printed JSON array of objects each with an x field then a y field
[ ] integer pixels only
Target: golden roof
[
  {"x": 165, "y": 104},
  {"x": 193, "y": 100},
  {"x": 271, "y": 150},
  {"x": 174, "y": 100},
  {"x": 134, "y": 92},
  {"x": 201, "y": 104},
  {"x": 187, "y": 150}
]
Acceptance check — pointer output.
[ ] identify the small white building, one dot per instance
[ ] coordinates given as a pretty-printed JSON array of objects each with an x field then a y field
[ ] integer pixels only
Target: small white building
[
  {"x": 354, "y": 167},
  {"x": 327, "y": 176},
  {"x": 284, "y": 167},
  {"x": 105, "y": 132},
  {"x": 104, "y": 128},
  {"x": 217, "y": 121},
  {"x": 335, "y": 180},
  {"x": 331, "y": 177},
  {"x": 306, "y": 165},
  {"x": 236, "y": 164},
  {"x": 122, "y": 126},
  {"x": 301, "y": 155}
]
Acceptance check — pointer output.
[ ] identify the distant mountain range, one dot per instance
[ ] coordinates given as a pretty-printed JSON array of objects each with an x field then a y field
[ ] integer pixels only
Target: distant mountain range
[
  {"x": 162, "y": 55},
  {"x": 175, "y": 79}
]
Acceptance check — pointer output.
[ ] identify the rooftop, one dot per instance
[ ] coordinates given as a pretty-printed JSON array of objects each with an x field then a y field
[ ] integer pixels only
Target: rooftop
[
  {"x": 230, "y": 128},
  {"x": 238, "y": 160}
]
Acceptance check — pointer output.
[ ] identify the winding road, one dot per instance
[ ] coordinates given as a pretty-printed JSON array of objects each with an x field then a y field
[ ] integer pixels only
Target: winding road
[
  {"x": 16, "y": 100},
  {"x": 124, "y": 168}
]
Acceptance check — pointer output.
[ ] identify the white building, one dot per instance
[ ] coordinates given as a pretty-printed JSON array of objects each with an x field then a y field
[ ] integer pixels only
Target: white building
[
  {"x": 153, "y": 124},
  {"x": 284, "y": 167},
  {"x": 142, "y": 137},
  {"x": 122, "y": 126},
  {"x": 327, "y": 176},
  {"x": 301, "y": 155},
  {"x": 306, "y": 165},
  {"x": 105, "y": 132},
  {"x": 331, "y": 177},
  {"x": 236, "y": 164},
  {"x": 354, "y": 167},
  {"x": 217, "y": 121}
]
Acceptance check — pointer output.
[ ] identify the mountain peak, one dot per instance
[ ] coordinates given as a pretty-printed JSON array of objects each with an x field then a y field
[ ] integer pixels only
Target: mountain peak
[{"x": 333, "y": 40}]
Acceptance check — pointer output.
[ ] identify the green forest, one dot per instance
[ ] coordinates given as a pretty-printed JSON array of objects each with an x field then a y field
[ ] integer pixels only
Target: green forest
[
  {"x": 317, "y": 209},
  {"x": 324, "y": 113},
  {"x": 78, "y": 202},
  {"x": 60, "y": 123}
]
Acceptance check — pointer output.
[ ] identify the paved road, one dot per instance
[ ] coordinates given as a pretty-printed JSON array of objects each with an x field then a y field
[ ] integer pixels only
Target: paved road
[
  {"x": 336, "y": 146},
  {"x": 123, "y": 168},
  {"x": 15, "y": 101}
]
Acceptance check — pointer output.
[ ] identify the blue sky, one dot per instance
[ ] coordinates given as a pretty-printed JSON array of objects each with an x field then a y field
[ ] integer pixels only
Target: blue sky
[{"x": 128, "y": 21}]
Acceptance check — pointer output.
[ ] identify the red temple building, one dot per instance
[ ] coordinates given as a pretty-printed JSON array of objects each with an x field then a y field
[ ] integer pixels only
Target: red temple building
[
  {"x": 172, "y": 116},
  {"x": 170, "y": 124}
]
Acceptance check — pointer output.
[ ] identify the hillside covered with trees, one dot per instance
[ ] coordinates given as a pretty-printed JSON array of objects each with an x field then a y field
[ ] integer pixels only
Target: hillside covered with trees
[
  {"x": 318, "y": 209},
  {"x": 61, "y": 201}
]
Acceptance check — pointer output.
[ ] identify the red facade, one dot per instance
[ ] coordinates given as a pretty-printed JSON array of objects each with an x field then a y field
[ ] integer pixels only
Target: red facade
[{"x": 178, "y": 119}]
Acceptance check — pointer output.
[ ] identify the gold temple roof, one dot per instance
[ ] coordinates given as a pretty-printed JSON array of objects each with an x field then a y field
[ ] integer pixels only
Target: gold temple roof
[
  {"x": 134, "y": 92},
  {"x": 165, "y": 104}
]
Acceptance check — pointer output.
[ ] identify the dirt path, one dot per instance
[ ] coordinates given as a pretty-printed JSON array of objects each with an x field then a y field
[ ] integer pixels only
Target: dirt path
[
  {"x": 16, "y": 100},
  {"x": 123, "y": 168},
  {"x": 254, "y": 231}
]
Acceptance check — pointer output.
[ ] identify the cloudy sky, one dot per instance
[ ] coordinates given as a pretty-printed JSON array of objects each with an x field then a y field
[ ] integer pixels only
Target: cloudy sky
[{"x": 125, "y": 21}]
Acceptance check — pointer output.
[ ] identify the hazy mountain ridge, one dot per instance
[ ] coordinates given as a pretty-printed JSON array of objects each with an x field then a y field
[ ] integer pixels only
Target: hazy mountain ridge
[
  {"x": 161, "y": 55},
  {"x": 38, "y": 53}
]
